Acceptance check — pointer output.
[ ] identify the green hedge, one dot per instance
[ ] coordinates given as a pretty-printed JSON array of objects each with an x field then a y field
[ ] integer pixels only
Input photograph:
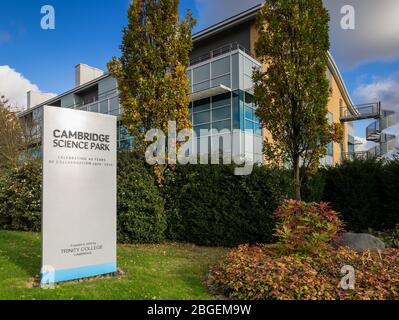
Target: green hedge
[
  {"x": 141, "y": 217},
  {"x": 365, "y": 192},
  {"x": 20, "y": 197},
  {"x": 209, "y": 205}
]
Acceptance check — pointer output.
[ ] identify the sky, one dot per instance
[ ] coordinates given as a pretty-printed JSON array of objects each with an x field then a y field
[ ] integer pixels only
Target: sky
[{"x": 89, "y": 31}]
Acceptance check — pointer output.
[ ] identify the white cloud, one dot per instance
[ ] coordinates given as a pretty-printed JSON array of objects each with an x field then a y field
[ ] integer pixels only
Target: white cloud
[
  {"x": 376, "y": 34},
  {"x": 375, "y": 38},
  {"x": 14, "y": 86},
  {"x": 381, "y": 89},
  {"x": 384, "y": 90},
  {"x": 361, "y": 144}
]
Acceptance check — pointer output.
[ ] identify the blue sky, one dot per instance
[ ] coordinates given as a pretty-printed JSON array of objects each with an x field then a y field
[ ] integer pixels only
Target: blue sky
[{"x": 89, "y": 31}]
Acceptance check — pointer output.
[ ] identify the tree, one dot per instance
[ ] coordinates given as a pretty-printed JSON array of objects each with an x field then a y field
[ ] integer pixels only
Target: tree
[
  {"x": 292, "y": 90},
  {"x": 12, "y": 142},
  {"x": 152, "y": 71}
]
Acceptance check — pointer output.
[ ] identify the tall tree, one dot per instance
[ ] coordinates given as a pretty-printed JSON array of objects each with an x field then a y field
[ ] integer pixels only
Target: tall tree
[
  {"x": 292, "y": 90},
  {"x": 152, "y": 71},
  {"x": 12, "y": 142}
]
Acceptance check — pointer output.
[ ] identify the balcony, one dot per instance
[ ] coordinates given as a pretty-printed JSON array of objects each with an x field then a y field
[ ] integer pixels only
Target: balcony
[
  {"x": 362, "y": 112},
  {"x": 218, "y": 52},
  {"x": 220, "y": 71},
  {"x": 109, "y": 105}
]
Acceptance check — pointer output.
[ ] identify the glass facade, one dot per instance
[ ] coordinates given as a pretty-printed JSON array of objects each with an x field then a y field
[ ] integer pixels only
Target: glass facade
[
  {"x": 351, "y": 140},
  {"x": 125, "y": 140},
  {"x": 231, "y": 110},
  {"x": 233, "y": 70},
  {"x": 220, "y": 115},
  {"x": 328, "y": 160}
]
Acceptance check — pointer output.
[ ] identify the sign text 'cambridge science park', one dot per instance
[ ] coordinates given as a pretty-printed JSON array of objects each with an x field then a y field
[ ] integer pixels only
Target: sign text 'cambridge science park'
[{"x": 79, "y": 195}]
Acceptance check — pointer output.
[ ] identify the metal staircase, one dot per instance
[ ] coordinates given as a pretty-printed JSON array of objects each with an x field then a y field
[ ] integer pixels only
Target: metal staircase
[{"x": 374, "y": 132}]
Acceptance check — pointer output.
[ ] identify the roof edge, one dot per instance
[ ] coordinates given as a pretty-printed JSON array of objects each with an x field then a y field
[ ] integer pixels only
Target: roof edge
[
  {"x": 227, "y": 23},
  {"x": 58, "y": 97},
  {"x": 340, "y": 81}
]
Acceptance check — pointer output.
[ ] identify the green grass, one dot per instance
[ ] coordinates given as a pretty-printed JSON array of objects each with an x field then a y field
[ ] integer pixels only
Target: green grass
[{"x": 168, "y": 271}]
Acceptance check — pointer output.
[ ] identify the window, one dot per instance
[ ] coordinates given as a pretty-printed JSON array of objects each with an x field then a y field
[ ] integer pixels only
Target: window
[
  {"x": 330, "y": 149},
  {"x": 202, "y": 117},
  {"x": 201, "y": 78},
  {"x": 250, "y": 122},
  {"x": 221, "y": 72},
  {"x": 201, "y": 74},
  {"x": 104, "y": 107},
  {"x": 221, "y": 125},
  {"x": 198, "y": 129},
  {"x": 202, "y": 105},
  {"x": 220, "y": 67},
  {"x": 221, "y": 113}
]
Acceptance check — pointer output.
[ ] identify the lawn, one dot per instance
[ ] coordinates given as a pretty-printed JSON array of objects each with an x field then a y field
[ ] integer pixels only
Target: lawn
[{"x": 168, "y": 271}]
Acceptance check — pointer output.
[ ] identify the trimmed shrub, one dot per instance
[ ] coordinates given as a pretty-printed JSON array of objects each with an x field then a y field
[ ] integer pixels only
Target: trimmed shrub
[
  {"x": 365, "y": 193},
  {"x": 20, "y": 197},
  {"x": 141, "y": 215},
  {"x": 209, "y": 205}
]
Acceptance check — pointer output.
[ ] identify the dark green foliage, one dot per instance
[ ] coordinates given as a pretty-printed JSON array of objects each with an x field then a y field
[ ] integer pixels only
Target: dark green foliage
[
  {"x": 365, "y": 192},
  {"x": 141, "y": 216},
  {"x": 209, "y": 205},
  {"x": 20, "y": 197}
]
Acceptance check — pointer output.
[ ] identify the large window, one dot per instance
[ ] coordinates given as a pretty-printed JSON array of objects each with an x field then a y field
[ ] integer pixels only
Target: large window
[
  {"x": 212, "y": 113},
  {"x": 125, "y": 140},
  {"x": 211, "y": 74},
  {"x": 226, "y": 111},
  {"x": 251, "y": 123}
]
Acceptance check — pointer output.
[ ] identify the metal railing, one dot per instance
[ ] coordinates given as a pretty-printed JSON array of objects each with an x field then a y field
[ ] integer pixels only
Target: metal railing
[
  {"x": 374, "y": 130},
  {"x": 386, "y": 145},
  {"x": 363, "y": 155},
  {"x": 218, "y": 52},
  {"x": 109, "y": 105},
  {"x": 362, "y": 112}
]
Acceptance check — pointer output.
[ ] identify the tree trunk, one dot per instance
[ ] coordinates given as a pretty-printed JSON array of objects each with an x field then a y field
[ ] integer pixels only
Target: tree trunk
[{"x": 297, "y": 180}]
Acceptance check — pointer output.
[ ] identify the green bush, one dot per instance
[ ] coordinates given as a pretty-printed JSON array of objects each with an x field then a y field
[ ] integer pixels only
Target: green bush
[
  {"x": 390, "y": 237},
  {"x": 365, "y": 193},
  {"x": 209, "y": 205},
  {"x": 20, "y": 197},
  {"x": 141, "y": 216}
]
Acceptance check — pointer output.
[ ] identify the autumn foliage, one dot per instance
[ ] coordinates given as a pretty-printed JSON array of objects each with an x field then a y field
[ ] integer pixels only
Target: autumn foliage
[
  {"x": 307, "y": 227},
  {"x": 304, "y": 265}
]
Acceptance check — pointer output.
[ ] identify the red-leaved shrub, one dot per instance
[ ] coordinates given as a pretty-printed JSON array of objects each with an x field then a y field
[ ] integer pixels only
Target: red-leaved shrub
[
  {"x": 304, "y": 264},
  {"x": 307, "y": 227},
  {"x": 257, "y": 273}
]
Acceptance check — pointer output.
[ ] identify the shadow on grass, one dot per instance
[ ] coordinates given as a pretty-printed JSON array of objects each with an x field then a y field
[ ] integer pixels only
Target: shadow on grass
[{"x": 22, "y": 249}]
